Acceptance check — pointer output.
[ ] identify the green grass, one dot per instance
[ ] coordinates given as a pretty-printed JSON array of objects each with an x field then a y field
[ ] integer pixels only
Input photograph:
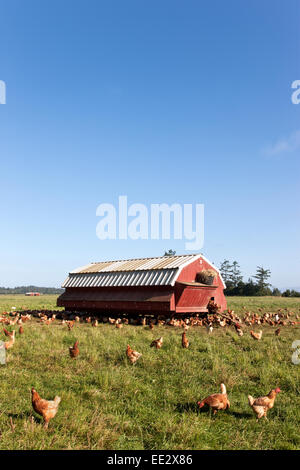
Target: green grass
[{"x": 109, "y": 404}]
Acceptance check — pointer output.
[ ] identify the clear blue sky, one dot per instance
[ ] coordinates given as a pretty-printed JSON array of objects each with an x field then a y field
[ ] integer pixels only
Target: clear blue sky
[{"x": 163, "y": 101}]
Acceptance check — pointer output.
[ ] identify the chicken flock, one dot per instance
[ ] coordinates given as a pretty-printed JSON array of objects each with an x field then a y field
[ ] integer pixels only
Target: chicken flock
[{"x": 216, "y": 401}]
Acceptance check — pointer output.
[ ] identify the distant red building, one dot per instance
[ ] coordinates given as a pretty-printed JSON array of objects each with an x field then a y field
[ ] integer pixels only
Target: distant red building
[
  {"x": 165, "y": 285},
  {"x": 33, "y": 293}
]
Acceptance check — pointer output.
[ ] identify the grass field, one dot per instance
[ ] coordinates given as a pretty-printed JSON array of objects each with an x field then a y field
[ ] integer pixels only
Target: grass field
[{"x": 109, "y": 404}]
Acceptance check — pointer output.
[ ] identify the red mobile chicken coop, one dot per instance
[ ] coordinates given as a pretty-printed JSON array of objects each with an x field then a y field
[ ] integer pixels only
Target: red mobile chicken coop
[{"x": 166, "y": 285}]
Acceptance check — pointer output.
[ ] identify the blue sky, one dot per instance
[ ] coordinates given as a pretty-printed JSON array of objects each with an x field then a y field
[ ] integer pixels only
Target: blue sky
[{"x": 162, "y": 101}]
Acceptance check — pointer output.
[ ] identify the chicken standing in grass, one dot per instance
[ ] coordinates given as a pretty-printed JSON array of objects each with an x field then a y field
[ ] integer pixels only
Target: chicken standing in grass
[
  {"x": 184, "y": 341},
  {"x": 74, "y": 351},
  {"x": 21, "y": 330},
  {"x": 132, "y": 355},
  {"x": 238, "y": 329},
  {"x": 46, "y": 409},
  {"x": 7, "y": 333},
  {"x": 157, "y": 343},
  {"x": 9, "y": 344},
  {"x": 209, "y": 328},
  {"x": 262, "y": 405},
  {"x": 217, "y": 401},
  {"x": 277, "y": 332},
  {"x": 256, "y": 336},
  {"x": 70, "y": 324}
]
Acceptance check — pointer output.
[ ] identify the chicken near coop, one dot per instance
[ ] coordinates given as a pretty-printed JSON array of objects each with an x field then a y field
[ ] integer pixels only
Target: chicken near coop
[
  {"x": 184, "y": 341},
  {"x": 70, "y": 324},
  {"x": 74, "y": 350},
  {"x": 7, "y": 333},
  {"x": 238, "y": 329},
  {"x": 132, "y": 355},
  {"x": 9, "y": 344},
  {"x": 256, "y": 336},
  {"x": 209, "y": 328}
]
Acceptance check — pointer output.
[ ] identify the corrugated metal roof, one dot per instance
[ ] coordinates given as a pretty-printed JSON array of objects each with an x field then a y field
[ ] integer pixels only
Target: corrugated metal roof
[
  {"x": 141, "y": 264},
  {"x": 161, "y": 271},
  {"x": 159, "y": 277}
]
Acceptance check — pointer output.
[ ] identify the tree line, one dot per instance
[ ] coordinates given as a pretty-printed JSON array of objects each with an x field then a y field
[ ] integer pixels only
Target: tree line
[
  {"x": 24, "y": 289},
  {"x": 259, "y": 285}
]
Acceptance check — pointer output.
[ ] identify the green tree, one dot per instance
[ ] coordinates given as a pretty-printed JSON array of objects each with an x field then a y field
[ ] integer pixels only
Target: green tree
[
  {"x": 276, "y": 292},
  {"x": 235, "y": 274},
  {"x": 291, "y": 293},
  {"x": 262, "y": 275},
  {"x": 170, "y": 253},
  {"x": 225, "y": 269}
]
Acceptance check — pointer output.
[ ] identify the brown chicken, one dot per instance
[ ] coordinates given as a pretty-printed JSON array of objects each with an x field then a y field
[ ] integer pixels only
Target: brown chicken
[
  {"x": 74, "y": 351},
  {"x": 217, "y": 401},
  {"x": 132, "y": 355},
  {"x": 184, "y": 341},
  {"x": 21, "y": 330},
  {"x": 7, "y": 333},
  {"x": 277, "y": 332},
  {"x": 157, "y": 343},
  {"x": 46, "y": 409},
  {"x": 70, "y": 324},
  {"x": 9, "y": 344},
  {"x": 238, "y": 329},
  {"x": 262, "y": 405},
  {"x": 256, "y": 336}
]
